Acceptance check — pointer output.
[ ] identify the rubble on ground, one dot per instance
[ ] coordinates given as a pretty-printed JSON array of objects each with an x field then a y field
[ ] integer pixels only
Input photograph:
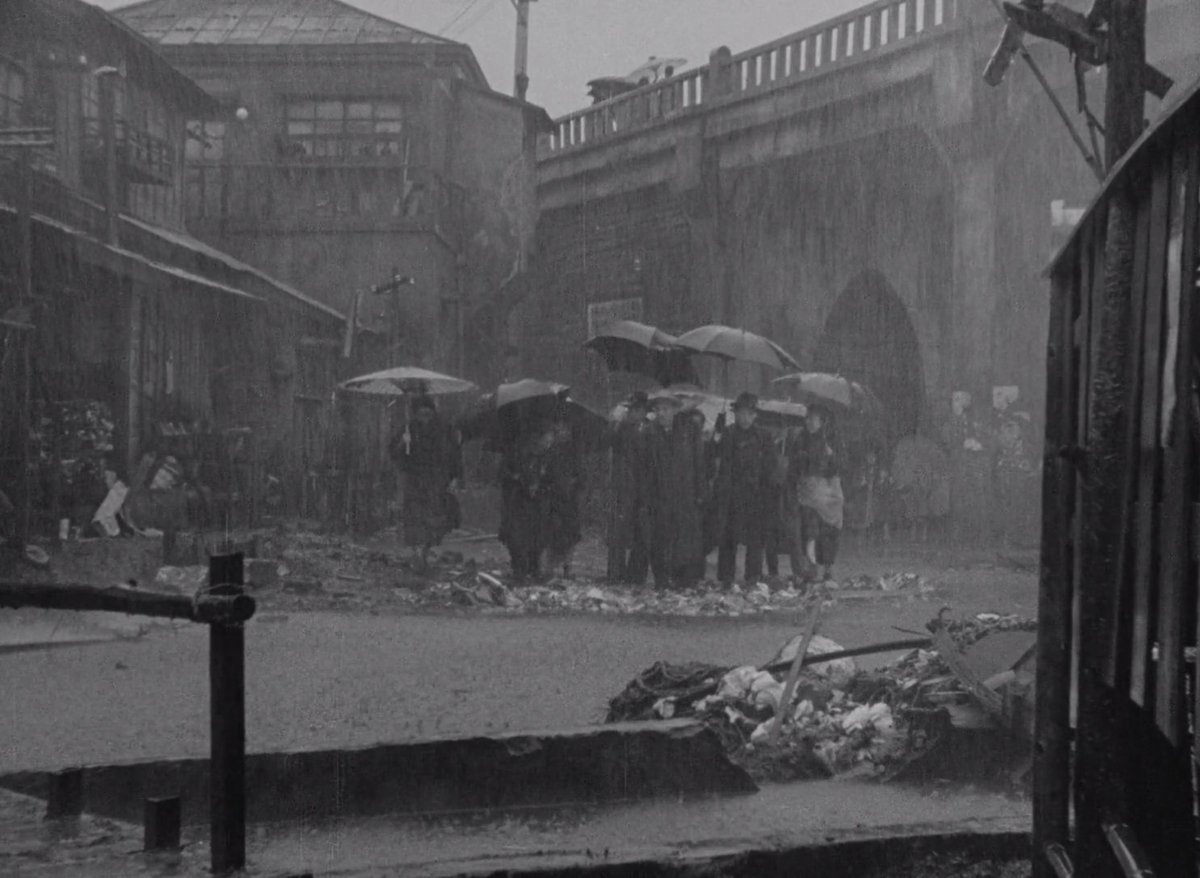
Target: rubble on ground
[{"x": 841, "y": 720}]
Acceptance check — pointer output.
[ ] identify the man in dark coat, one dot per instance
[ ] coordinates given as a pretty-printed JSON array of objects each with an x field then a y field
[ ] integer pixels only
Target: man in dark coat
[
  {"x": 523, "y": 486},
  {"x": 632, "y": 547},
  {"x": 744, "y": 466},
  {"x": 562, "y": 498},
  {"x": 683, "y": 474},
  {"x": 428, "y": 454}
]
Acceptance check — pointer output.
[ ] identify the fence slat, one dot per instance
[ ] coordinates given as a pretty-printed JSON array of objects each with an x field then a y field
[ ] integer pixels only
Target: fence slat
[
  {"x": 1149, "y": 460},
  {"x": 1117, "y": 667},
  {"x": 1178, "y": 470},
  {"x": 1051, "y": 766}
]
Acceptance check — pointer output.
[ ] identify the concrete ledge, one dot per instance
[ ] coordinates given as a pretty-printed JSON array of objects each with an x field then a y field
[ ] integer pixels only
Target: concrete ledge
[
  {"x": 877, "y": 852},
  {"x": 618, "y": 762}
]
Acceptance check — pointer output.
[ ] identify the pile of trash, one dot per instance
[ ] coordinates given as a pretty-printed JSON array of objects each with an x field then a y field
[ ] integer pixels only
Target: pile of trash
[
  {"x": 839, "y": 720},
  {"x": 892, "y": 582}
]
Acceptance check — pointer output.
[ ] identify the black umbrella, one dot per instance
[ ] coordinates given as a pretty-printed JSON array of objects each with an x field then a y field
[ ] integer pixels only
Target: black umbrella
[
  {"x": 518, "y": 407},
  {"x": 629, "y": 346}
]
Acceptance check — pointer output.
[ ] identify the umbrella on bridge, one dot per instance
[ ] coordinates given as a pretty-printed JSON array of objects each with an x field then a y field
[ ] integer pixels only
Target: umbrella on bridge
[
  {"x": 822, "y": 387},
  {"x": 729, "y": 343},
  {"x": 407, "y": 381},
  {"x": 629, "y": 346}
]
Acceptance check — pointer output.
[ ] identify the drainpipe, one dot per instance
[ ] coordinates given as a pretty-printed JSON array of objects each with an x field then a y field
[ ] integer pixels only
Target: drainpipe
[{"x": 108, "y": 134}]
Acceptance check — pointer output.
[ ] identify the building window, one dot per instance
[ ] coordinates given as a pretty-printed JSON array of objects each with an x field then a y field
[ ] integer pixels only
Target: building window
[
  {"x": 12, "y": 94},
  {"x": 205, "y": 141},
  {"x": 344, "y": 129}
]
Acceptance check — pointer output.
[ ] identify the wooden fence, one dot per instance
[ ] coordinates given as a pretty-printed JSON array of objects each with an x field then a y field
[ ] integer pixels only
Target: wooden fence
[{"x": 1117, "y": 703}]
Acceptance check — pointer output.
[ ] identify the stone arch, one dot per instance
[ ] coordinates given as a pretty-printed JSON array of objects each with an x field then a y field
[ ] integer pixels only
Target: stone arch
[{"x": 869, "y": 337}]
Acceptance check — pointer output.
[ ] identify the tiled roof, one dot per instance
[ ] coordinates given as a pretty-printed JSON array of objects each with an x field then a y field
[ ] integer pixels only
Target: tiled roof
[{"x": 265, "y": 23}]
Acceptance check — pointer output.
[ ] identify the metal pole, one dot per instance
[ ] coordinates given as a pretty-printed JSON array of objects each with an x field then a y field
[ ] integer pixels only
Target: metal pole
[
  {"x": 108, "y": 134},
  {"x": 22, "y": 360},
  {"x": 521, "y": 65},
  {"x": 227, "y": 681}
]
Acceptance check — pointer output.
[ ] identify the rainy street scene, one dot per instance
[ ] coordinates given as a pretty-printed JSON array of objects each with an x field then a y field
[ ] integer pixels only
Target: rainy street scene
[{"x": 671, "y": 438}]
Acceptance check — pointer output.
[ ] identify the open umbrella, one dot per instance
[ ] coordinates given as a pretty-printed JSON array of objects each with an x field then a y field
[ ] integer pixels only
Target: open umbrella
[
  {"x": 519, "y": 406},
  {"x": 737, "y": 344},
  {"x": 822, "y": 387},
  {"x": 629, "y": 346},
  {"x": 407, "y": 380}
]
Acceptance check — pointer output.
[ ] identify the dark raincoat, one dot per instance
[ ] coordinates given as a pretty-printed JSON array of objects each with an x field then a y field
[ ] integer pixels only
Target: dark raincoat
[
  {"x": 431, "y": 461},
  {"x": 745, "y": 462},
  {"x": 560, "y": 502},
  {"x": 523, "y": 480},
  {"x": 684, "y": 486},
  {"x": 635, "y": 489}
]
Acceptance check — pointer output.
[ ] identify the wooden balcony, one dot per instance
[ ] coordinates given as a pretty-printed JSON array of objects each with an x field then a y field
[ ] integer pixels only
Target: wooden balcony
[{"x": 286, "y": 197}]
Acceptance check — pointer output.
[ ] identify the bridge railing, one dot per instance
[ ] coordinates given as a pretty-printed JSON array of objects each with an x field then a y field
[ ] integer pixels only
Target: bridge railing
[{"x": 840, "y": 41}]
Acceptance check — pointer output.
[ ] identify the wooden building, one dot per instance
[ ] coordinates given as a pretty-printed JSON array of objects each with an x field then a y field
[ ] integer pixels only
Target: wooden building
[
  {"x": 350, "y": 149},
  {"x": 1118, "y": 707},
  {"x": 142, "y": 340}
]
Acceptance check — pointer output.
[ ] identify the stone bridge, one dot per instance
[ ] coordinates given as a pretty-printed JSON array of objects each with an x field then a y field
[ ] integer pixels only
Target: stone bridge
[{"x": 855, "y": 191}]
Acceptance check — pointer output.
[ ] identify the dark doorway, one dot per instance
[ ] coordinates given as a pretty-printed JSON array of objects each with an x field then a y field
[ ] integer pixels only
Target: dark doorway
[{"x": 869, "y": 338}]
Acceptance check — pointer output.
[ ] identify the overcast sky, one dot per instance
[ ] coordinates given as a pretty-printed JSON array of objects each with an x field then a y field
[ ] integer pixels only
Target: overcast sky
[{"x": 572, "y": 41}]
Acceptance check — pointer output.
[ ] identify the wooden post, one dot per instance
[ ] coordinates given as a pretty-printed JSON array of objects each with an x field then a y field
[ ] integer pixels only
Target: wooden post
[
  {"x": 64, "y": 798},
  {"x": 161, "y": 824},
  {"x": 24, "y": 343},
  {"x": 1052, "y": 732},
  {"x": 227, "y": 769},
  {"x": 1102, "y": 778}
]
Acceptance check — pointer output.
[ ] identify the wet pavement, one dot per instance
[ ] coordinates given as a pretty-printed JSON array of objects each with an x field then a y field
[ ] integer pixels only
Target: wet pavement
[
  {"x": 811, "y": 813},
  {"x": 326, "y": 679}
]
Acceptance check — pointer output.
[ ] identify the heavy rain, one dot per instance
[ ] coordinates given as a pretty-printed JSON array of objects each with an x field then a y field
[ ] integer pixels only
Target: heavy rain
[{"x": 540, "y": 437}]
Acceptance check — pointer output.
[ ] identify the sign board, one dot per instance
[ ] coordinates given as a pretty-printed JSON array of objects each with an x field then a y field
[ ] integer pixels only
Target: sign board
[{"x": 601, "y": 315}]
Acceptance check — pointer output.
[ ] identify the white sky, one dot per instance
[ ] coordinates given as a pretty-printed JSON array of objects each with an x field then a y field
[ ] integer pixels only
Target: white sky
[{"x": 572, "y": 41}]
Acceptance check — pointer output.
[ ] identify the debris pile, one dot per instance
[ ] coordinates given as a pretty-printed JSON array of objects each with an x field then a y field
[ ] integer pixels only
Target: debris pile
[{"x": 840, "y": 720}]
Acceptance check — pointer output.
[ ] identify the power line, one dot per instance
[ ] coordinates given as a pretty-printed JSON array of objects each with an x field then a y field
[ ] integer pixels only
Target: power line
[
  {"x": 467, "y": 26},
  {"x": 467, "y": 7}
]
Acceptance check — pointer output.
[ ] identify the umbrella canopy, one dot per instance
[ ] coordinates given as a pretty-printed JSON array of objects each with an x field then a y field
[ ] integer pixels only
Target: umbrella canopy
[
  {"x": 822, "y": 387},
  {"x": 737, "y": 344},
  {"x": 629, "y": 346},
  {"x": 407, "y": 380},
  {"x": 520, "y": 406}
]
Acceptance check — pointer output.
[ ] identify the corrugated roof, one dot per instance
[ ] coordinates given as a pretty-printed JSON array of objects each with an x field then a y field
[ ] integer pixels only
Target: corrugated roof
[{"x": 265, "y": 23}]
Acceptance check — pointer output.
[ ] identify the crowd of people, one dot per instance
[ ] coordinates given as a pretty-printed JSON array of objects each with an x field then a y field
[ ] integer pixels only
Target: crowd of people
[{"x": 680, "y": 490}]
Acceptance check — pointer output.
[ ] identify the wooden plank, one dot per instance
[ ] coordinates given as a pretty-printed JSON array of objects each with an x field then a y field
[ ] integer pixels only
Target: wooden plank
[
  {"x": 1079, "y": 390},
  {"x": 1145, "y": 595},
  {"x": 1052, "y": 733},
  {"x": 1117, "y": 670},
  {"x": 1177, "y": 471}
]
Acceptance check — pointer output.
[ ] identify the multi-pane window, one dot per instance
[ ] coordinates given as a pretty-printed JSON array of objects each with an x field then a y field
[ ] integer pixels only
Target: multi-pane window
[
  {"x": 12, "y": 94},
  {"x": 345, "y": 129},
  {"x": 205, "y": 141}
]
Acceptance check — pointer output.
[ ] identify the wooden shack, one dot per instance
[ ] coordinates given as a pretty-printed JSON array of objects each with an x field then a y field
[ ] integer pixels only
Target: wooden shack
[{"x": 1118, "y": 708}]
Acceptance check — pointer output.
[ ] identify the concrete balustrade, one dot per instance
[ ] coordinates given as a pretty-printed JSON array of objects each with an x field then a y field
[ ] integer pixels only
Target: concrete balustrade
[{"x": 848, "y": 39}]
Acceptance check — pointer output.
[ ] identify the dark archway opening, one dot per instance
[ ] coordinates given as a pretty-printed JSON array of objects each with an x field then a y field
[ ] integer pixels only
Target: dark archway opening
[{"x": 869, "y": 338}]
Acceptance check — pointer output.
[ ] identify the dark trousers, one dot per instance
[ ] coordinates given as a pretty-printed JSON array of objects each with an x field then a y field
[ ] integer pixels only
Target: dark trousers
[
  {"x": 525, "y": 561},
  {"x": 630, "y": 566},
  {"x": 727, "y": 557}
]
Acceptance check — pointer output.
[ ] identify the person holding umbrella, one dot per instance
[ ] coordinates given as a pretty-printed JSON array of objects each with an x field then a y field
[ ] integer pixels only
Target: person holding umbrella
[
  {"x": 683, "y": 473},
  {"x": 815, "y": 476},
  {"x": 428, "y": 455},
  {"x": 744, "y": 459},
  {"x": 632, "y": 548}
]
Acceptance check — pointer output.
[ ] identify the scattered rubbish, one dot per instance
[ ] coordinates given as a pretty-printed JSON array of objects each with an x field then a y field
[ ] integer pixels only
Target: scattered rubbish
[{"x": 874, "y": 723}]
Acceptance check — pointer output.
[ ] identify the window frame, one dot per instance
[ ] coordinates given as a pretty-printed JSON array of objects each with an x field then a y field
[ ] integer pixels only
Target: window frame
[{"x": 352, "y": 129}]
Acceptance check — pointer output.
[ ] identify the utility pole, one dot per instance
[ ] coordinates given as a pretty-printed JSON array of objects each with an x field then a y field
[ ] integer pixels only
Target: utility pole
[
  {"x": 1104, "y": 782},
  {"x": 521, "y": 67}
]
